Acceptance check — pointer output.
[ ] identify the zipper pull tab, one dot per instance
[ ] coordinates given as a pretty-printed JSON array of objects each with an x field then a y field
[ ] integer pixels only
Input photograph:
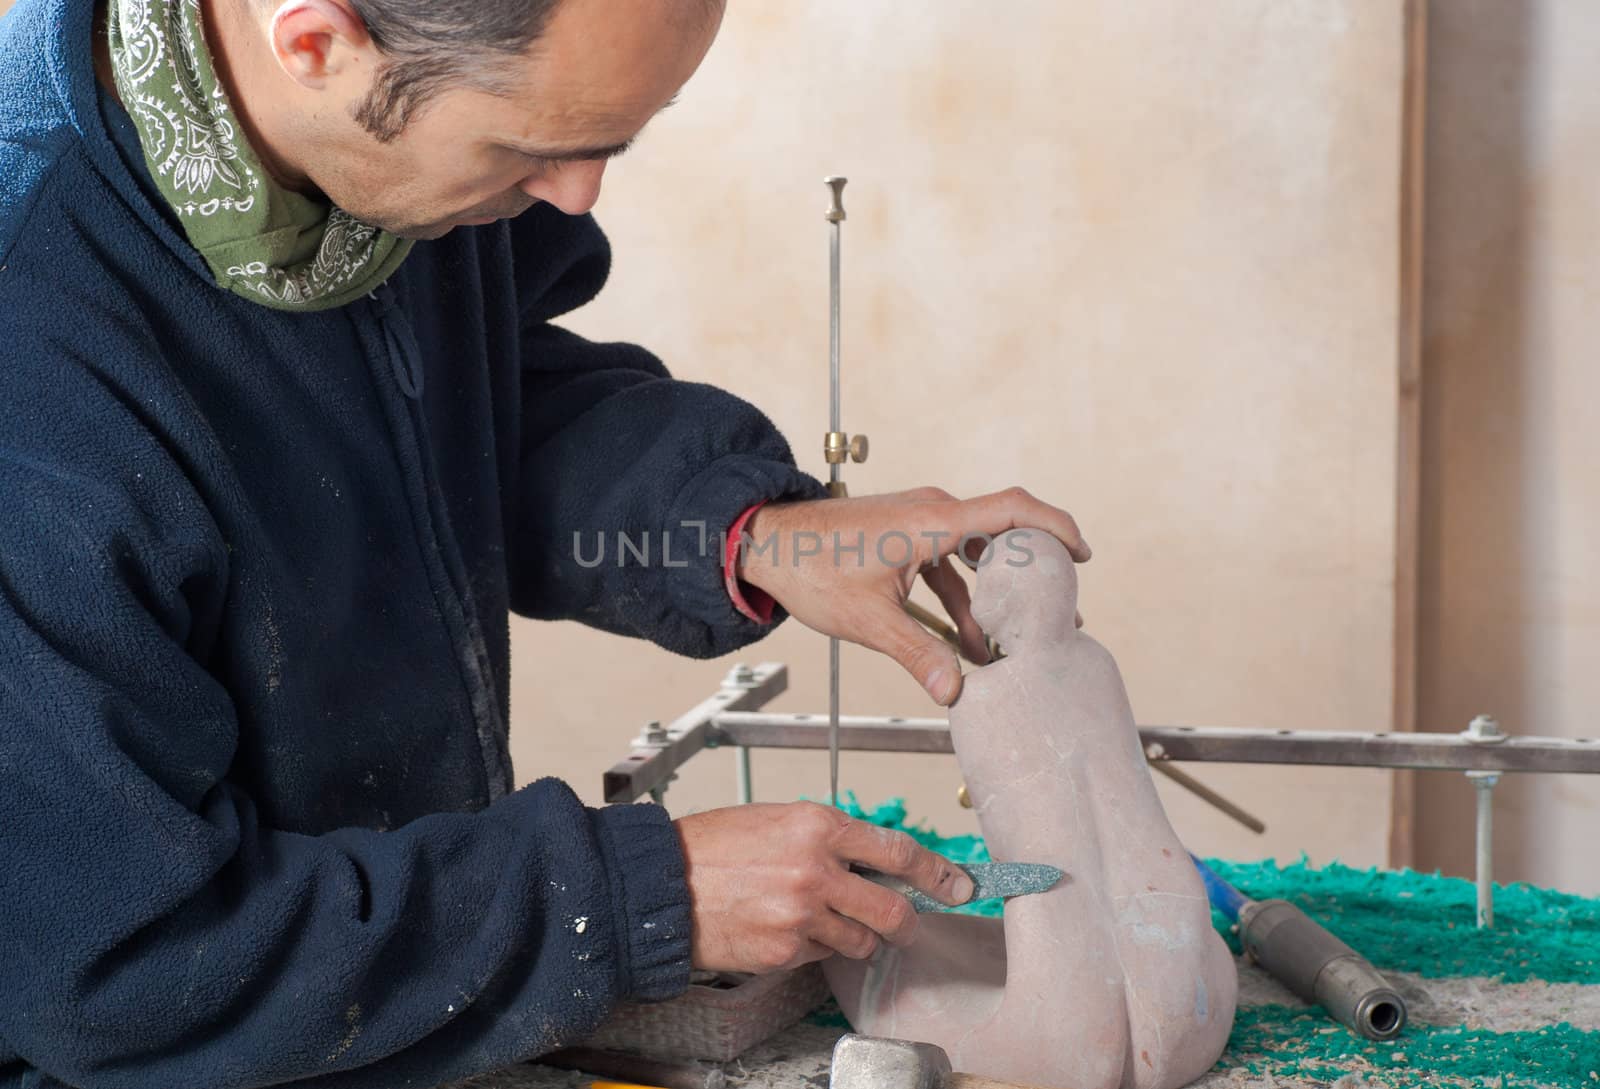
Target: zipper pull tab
[{"x": 405, "y": 361}]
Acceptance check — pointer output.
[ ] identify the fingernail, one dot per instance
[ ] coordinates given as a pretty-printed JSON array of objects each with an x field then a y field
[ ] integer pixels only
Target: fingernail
[
  {"x": 936, "y": 685},
  {"x": 961, "y": 888}
]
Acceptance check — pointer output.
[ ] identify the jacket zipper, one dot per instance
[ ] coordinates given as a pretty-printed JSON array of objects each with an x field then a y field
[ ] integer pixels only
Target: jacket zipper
[{"x": 441, "y": 553}]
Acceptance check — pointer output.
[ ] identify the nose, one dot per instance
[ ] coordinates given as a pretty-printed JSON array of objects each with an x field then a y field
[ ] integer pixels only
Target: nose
[{"x": 572, "y": 187}]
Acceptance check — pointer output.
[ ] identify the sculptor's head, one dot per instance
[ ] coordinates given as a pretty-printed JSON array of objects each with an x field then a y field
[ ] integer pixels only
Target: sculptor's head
[
  {"x": 1027, "y": 593},
  {"x": 423, "y": 115}
]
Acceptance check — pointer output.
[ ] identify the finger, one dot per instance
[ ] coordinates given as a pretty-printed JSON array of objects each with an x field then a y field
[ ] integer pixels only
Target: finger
[
  {"x": 920, "y": 653},
  {"x": 1014, "y": 508},
  {"x": 845, "y": 936},
  {"x": 898, "y": 855},
  {"x": 808, "y": 952},
  {"x": 946, "y": 582},
  {"x": 883, "y": 911}
]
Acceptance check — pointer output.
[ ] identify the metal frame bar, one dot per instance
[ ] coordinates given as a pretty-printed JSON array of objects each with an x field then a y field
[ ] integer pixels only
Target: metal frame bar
[
  {"x": 1483, "y": 751},
  {"x": 1222, "y": 745}
]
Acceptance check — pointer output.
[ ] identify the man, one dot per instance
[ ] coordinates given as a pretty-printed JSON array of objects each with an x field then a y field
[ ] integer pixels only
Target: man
[{"x": 287, "y": 433}]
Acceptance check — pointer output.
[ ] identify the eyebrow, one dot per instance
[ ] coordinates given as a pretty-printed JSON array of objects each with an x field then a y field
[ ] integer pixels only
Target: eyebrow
[
  {"x": 582, "y": 154},
  {"x": 575, "y": 155}
]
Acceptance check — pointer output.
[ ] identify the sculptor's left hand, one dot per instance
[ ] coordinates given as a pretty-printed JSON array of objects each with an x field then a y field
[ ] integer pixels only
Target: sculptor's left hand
[{"x": 861, "y": 596}]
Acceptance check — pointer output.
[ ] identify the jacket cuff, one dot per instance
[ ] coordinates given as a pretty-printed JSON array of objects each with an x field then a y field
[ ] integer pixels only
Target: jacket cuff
[
  {"x": 715, "y": 499},
  {"x": 753, "y": 602},
  {"x": 650, "y": 899}
]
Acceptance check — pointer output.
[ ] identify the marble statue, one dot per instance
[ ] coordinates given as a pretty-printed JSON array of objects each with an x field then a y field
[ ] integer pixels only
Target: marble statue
[{"x": 1115, "y": 977}]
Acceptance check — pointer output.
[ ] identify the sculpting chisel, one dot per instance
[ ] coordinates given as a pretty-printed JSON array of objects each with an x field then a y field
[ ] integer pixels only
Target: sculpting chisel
[{"x": 990, "y": 880}]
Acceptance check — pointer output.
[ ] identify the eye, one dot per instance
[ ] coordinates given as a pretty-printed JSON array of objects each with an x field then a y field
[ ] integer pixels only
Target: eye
[{"x": 536, "y": 163}]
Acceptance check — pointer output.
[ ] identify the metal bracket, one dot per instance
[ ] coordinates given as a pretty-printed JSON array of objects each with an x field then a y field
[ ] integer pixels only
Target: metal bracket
[{"x": 661, "y": 750}]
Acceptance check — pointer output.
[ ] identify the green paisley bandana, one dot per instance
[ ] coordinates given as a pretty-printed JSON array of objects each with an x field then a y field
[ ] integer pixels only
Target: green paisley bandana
[{"x": 262, "y": 241}]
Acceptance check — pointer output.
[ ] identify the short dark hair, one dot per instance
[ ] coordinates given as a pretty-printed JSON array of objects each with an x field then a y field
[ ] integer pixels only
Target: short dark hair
[{"x": 431, "y": 44}]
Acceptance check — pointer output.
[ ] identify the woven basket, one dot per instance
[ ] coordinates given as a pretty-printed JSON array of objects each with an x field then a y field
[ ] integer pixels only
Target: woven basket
[{"x": 717, "y": 1019}]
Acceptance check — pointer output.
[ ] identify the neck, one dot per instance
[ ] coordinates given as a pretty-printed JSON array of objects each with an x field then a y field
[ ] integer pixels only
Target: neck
[
  {"x": 242, "y": 57},
  {"x": 231, "y": 40},
  {"x": 102, "y": 53}
]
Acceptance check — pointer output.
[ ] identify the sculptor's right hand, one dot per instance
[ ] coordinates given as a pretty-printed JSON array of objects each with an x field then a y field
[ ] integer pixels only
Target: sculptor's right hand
[{"x": 770, "y": 886}]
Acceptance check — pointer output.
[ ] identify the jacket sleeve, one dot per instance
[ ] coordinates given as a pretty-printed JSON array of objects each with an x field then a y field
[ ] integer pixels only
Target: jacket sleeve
[
  {"x": 629, "y": 479},
  {"x": 152, "y": 930}
]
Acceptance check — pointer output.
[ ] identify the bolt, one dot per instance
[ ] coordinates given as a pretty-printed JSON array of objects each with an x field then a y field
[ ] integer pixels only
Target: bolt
[
  {"x": 742, "y": 675},
  {"x": 655, "y": 734},
  {"x": 1483, "y": 730}
]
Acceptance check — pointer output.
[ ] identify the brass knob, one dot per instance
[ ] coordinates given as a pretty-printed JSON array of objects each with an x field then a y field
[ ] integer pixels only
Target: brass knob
[
  {"x": 858, "y": 449},
  {"x": 835, "y": 213},
  {"x": 963, "y": 797}
]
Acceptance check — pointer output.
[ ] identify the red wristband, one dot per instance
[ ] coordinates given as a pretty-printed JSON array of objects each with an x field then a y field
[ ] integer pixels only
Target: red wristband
[{"x": 752, "y": 602}]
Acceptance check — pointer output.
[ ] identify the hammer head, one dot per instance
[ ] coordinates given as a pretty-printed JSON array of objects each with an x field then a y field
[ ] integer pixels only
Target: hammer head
[{"x": 871, "y": 1062}]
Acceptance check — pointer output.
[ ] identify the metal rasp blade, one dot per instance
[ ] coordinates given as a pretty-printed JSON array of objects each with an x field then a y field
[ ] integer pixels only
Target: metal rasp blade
[{"x": 990, "y": 880}]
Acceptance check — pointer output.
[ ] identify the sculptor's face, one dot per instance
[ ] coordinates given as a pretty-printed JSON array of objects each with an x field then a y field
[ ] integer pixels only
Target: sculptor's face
[{"x": 587, "y": 87}]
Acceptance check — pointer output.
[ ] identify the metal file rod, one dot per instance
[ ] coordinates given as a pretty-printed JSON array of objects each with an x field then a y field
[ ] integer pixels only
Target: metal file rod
[{"x": 1217, "y": 801}]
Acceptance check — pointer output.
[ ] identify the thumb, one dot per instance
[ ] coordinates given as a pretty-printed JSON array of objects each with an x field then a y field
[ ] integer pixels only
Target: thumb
[{"x": 920, "y": 653}]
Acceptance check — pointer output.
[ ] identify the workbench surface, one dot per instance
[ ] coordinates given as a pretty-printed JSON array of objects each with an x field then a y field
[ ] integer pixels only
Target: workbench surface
[{"x": 1463, "y": 1031}]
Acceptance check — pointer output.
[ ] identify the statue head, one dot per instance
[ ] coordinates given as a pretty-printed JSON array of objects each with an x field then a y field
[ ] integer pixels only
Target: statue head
[{"x": 1027, "y": 590}]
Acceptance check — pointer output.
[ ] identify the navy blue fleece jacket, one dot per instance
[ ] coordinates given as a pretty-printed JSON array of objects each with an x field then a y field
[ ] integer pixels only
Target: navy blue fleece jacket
[{"x": 257, "y": 816}]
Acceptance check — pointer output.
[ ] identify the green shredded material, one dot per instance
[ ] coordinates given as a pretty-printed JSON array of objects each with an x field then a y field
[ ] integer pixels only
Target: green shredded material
[
  {"x": 1425, "y": 923},
  {"x": 1289, "y": 1043},
  {"x": 1400, "y": 920}
]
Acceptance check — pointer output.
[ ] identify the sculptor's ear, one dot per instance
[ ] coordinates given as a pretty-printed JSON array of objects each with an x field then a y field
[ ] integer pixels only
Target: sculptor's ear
[
  {"x": 315, "y": 40},
  {"x": 1027, "y": 590}
]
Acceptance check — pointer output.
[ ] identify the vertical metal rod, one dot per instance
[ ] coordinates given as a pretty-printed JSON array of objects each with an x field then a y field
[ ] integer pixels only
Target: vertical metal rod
[
  {"x": 746, "y": 793},
  {"x": 833, "y": 318},
  {"x": 833, "y": 721},
  {"x": 835, "y": 217},
  {"x": 1484, "y": 730},
  {"x": 1484, "y": 784}
]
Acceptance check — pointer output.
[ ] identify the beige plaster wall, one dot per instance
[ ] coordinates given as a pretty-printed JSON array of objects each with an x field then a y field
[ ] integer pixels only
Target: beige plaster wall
[
  {"x": 1140, "y": 258},
  {"x": 1511, "y": 521}
]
